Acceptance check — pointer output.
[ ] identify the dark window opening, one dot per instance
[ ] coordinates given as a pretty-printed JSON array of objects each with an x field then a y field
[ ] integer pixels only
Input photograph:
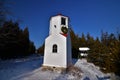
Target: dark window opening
[
  {"x": 63, "y": 21},
  {"x": 55, "y": 26},
  {"x": 54, "y": 48}
]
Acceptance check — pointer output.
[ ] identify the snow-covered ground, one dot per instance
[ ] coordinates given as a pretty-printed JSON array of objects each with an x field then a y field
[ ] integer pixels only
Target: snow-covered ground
[{"x": 30, "y": 69}]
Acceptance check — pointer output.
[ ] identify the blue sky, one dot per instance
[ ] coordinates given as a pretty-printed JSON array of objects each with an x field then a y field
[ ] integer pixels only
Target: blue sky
[{"x": 85, "y": 16}]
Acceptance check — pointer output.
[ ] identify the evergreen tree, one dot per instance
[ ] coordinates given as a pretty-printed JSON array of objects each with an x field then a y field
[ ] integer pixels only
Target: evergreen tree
[
  {"x": 26, "y": 41},
  {"x": 75, "y": 44},
  {"x": 32, "y": 48},
  {"x": 40, "y": 50},
  {"x": 9, "y": 37},
  {"x": 14, "y": 42},
  {"x": 82, "y": 41}
]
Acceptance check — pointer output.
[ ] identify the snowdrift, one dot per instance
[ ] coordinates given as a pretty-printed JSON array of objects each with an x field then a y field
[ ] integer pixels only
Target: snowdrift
[{"x": 30, "y": 69}]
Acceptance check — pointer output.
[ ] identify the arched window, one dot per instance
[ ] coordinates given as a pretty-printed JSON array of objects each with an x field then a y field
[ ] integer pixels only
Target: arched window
[{"x": 54, "y": 50}]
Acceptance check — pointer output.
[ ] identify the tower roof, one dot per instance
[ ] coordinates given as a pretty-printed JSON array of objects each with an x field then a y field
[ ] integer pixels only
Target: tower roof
[{"x": 59, "y": 14}]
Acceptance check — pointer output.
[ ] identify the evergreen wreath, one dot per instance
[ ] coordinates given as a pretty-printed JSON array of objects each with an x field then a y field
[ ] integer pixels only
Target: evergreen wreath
[{"x": 64, "y": 29}]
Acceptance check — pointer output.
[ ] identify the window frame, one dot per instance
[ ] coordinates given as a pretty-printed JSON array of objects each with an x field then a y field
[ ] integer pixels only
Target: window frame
[
  {"x": 55, "y": 48},
  {"x": 63, "y": 21}
]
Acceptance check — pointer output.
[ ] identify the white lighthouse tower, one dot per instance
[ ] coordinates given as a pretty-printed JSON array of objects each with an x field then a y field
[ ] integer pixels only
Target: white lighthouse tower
[{"x": 57, "y": 52}]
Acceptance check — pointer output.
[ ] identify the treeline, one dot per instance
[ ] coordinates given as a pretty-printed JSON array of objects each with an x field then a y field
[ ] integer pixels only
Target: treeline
[
  {"x": 40, "y": 50},
  {"x": 14, "y": 42},
  {"x": 104, "y": 51}
]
